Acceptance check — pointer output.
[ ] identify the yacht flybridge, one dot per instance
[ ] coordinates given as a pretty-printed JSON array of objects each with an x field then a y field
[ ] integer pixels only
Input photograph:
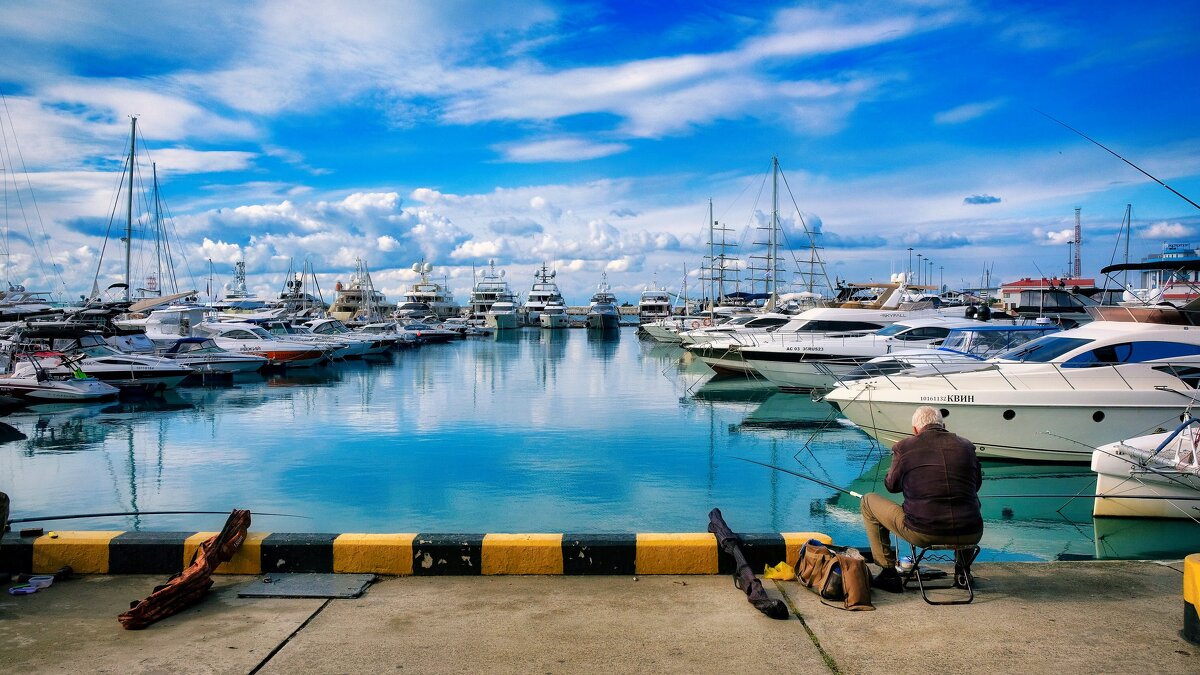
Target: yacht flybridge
[
  {"x": 543, "y": 294},
  {"x": 427, "y": 297},
  {"x": 1127, "y": 373},
  {"x": 602, "y": 310}
]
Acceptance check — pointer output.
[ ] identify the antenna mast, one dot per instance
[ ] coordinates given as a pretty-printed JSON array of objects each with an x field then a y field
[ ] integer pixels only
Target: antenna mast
[
  {"x": 129, "y": 204},
  {"x": 1078, "y": 244}
]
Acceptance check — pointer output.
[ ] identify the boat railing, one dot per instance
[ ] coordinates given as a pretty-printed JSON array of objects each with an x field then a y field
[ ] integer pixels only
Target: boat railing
[{"x": 1129, "y": 375}]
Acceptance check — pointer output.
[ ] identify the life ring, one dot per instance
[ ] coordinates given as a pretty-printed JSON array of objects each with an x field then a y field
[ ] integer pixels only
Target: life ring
[
  {"x": 708, "y": 322},
  {"x": 441, "y": 326},
  {"x": 695, "y": 323}
]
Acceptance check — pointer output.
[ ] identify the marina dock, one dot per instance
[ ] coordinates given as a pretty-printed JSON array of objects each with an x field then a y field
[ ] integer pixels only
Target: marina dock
[{"x": 1054, "y": 617}]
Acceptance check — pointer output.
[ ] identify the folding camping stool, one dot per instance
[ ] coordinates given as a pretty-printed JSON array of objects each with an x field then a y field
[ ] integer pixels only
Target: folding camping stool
[{"x": 962, "y": 555}]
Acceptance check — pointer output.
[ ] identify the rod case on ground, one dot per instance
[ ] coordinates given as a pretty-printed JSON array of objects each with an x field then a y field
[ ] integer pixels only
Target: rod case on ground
[
  {"x": 187, "y": 587},
  {"x": 744, "y": 577}
]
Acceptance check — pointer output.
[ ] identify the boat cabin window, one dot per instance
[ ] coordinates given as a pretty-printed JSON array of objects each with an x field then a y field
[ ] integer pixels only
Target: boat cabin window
[
  {"x": 240, "y": 334},
  {"x": 1190, "y": 375},
  {"x": 767, "y": 322},
  {"x": 827, "y": 326},
  {"x": 1044, "y": 349},
  {"x": 1132, "y": 352}
]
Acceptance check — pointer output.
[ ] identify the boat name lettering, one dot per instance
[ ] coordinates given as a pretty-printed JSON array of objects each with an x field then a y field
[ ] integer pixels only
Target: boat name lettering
[
  {"x": 949, "y": 398},
  {"x": 805, "y": 349}
]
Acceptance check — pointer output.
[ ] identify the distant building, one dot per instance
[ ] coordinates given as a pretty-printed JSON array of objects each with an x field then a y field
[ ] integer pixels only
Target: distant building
[
  {"x": 1010, "y": 293},
  {"x": 1177, "y": 287}
]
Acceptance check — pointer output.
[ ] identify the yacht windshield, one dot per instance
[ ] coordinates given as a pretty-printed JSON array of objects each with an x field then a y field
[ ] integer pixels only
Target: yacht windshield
[
  {"x": 1043, "y": 350},
  {"x": 891, "y": 330}
]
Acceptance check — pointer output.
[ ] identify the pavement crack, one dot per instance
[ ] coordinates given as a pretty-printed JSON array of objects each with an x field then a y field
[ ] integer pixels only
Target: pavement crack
[
  {"x": 826, "y": 656},
  {"x": 291, "y": 635}
]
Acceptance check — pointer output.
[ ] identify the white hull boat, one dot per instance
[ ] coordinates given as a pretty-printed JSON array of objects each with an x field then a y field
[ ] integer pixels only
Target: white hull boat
[{"x": 1153, "y": 476}]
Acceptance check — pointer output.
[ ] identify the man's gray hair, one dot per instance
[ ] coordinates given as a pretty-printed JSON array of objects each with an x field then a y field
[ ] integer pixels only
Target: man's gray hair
[{"x": 926, "y": 415}]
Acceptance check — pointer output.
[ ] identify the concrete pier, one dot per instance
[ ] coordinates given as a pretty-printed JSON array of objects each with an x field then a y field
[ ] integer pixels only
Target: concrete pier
[{"x": 1027, "y": 617}]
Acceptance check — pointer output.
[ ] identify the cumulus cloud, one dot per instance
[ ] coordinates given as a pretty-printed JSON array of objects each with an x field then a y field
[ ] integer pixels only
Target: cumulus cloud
[
  {"x": 1165, "y": 230},
  {"x": 624, "y": 213},
  {"x": 981, "y": 199},
  {"x": 1054, "y": 236}
]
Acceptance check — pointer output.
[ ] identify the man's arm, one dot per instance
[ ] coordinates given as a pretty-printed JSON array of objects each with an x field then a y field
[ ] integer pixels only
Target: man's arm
[{"x": 893, "y": 481}]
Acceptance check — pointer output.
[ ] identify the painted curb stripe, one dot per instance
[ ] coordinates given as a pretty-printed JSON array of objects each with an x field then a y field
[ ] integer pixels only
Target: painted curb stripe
[
  {"x": 85, "y": 552},
  {"x": 297, "y": 552},
  {"x": 662, "y": 553},
  {"x": 437, "y": 554},
  {"x": 1191, "y": 598},
  {"x": 425, "y": 554},
  {"x": 599, "y": 553},
  {"x": 522, "y": 554},
  {"x": 16, "y": 552},
  {"x": 760, "y": 549},
  {"x": 795, "y": 540},
  {"x": 374, "y": 553},
  {"x": 247, "y": 560},
  {"x": 146, "y": 552}
]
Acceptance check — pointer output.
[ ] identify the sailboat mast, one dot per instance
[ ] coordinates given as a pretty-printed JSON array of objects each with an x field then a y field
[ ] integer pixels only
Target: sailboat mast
[
  {"x": 1128, "y": 233},
  {"x": 157, "y": 230},
  {"x": 129, "y": 205},
  {"x": 772, "y": 236},
  {"x": 712, "y": 259}
]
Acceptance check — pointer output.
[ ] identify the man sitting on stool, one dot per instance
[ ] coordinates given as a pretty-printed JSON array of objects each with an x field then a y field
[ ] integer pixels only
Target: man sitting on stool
[{"x": 939, "y": 475}]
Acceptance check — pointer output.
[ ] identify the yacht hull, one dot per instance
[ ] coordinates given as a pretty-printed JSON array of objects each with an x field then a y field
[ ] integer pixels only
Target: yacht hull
[
  {"x": 1131, "y": 486},
  {"x": 1047, "y": 426},
  {"x": 603, "y": 322}
]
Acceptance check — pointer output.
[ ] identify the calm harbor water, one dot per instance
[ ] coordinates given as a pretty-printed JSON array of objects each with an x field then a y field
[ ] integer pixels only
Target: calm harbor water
[{"x": 534, "y": 431}]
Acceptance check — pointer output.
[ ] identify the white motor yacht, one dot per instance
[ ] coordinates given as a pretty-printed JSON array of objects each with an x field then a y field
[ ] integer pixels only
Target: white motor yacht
[
  {"x": 32, "y": 380},
  {"x": 602, "y": 309},
  {"x": 337, "y": 347},
  {"x": 436, "y": 298},
  {"x": 366, "y": 342},
  {"x": 1152, "y": 476},
  {"x": 554, "y": 315},
  {"x": 248, "y": 338},
  {"x": 205, "y": 356},
  {"x": 489, "y": 287},
  {"x": 131, "y": 372},
  {"x": 544, "y": 294},
  {"x": 1056, "y": 398},
  {"x": 502, "y": 315},
  {"x": 653, "y": 305},
  {"x": 724, "y": 355},
  {"x": 816, "y": 365}
]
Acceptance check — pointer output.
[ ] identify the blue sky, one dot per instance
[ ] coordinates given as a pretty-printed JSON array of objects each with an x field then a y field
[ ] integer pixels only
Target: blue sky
[{"x": 592, "y": 135}]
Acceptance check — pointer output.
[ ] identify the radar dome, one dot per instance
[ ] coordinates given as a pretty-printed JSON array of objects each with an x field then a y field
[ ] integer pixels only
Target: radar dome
[
  {"x": 416, "y": 267},
  {"x": 427, "y": 268}
]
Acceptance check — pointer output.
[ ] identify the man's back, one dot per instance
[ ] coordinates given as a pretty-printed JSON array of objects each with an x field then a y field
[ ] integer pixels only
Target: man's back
[{"x": 939, "y": 474}]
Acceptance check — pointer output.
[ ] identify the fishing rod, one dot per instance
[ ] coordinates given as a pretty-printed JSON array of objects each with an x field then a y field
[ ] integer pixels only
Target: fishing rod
[
  {"x": 79, "y": 516},
  {"x": 1177, "y": 193},
  {"x": 856, "y": 494}
]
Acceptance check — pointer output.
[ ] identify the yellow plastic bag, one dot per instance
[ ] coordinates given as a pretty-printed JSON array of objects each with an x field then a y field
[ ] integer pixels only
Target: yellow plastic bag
[{"x": 782, "y": 572}]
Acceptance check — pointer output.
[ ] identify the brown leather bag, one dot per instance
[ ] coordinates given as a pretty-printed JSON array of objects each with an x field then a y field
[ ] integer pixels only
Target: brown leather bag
[{"x": 835, "y": 573}]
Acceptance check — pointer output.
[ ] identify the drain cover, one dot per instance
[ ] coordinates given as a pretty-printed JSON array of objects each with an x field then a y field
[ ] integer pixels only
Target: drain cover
[{"x": 307, "y": 586}]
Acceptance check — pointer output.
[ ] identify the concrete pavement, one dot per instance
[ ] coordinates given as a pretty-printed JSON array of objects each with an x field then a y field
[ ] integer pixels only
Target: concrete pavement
[{"x": 1064, "y": 617}]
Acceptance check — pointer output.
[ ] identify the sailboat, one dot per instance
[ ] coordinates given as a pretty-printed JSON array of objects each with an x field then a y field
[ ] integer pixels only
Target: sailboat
[{"x": 358, "y": 302}]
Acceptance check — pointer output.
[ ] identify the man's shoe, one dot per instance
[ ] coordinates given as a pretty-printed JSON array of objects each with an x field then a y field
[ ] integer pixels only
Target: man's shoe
[{"x": 888, "y": 580}]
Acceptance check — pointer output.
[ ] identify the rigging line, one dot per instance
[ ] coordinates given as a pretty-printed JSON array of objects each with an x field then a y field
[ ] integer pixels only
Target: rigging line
[
  {"x": 1123, "y": 459},
  {"x": 1105, "y": 148},
  {"x": 111, "y": 218},
  {"x": 32, "y": 196},
  {"x": 812, "y": 239}
]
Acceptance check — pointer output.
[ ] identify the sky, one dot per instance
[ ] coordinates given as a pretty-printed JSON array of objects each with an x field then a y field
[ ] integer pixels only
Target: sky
[{"x": 591, "y": 136}]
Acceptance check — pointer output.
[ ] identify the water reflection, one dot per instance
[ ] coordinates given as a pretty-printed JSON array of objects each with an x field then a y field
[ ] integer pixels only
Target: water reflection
[{"x": 549, "y": 431}]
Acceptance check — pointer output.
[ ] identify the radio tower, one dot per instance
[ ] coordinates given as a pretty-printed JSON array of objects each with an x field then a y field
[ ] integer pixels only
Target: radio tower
[{"x": 1078, "y": 244}]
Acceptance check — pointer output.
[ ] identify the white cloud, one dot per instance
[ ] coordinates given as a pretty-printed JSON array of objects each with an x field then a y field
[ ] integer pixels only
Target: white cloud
[
  {"x": 1165, "y": 230},
  {"x": 967, "y": 112},
  {"x": 558, "y": 150}
]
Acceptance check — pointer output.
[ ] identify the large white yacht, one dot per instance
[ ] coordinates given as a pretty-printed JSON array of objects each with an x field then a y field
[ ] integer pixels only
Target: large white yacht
[
  {"x": 544, "y": 292},
  {"x": 554, "y": 315},
  {"x": 816, "y": 365},
  {"x": 602, "y": 310},
  {"x": 427, "y": 297},
  {"x": 489, "y": 287},
  {"x": 653, "y": 305},
  {"x": 1127, "y": 373},
  {"x": 502, "y": 315},
  {"x": 358, "y": 302}
]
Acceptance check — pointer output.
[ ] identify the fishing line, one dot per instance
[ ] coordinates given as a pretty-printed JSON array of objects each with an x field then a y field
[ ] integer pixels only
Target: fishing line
[{"x": 38, "y": 519}]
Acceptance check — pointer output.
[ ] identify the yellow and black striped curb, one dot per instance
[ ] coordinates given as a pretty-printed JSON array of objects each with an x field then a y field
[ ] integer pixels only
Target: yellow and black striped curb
[
  {"x": 425, "y": 554},
  {"x": 1191, "y": 598}
]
